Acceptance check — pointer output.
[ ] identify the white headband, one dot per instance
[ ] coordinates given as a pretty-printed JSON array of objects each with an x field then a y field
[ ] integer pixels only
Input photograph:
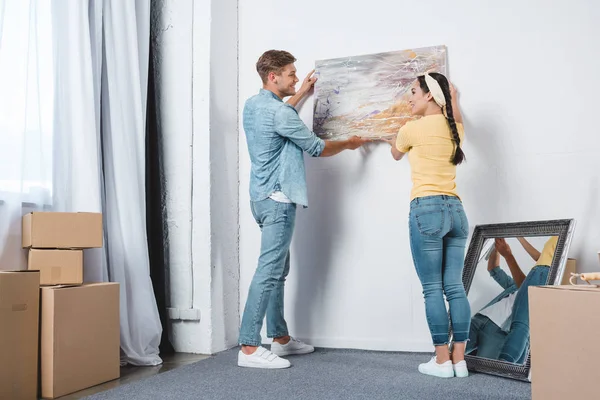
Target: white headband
[{"x": 436, "y": 91}]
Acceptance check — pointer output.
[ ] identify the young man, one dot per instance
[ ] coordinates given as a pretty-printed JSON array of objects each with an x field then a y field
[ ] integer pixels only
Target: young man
[{"x": 277, "y": 138}]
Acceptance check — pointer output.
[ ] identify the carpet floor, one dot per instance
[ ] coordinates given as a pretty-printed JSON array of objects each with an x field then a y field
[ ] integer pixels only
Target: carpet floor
[{"x": 325, "y": 375}]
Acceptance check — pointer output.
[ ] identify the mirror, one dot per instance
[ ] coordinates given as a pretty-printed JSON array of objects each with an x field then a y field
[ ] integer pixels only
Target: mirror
[{"x": 502, "y": 262}]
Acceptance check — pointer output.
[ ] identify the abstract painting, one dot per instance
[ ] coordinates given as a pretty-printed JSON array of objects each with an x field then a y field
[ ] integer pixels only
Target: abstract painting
[{"x": 368, "y": 95}]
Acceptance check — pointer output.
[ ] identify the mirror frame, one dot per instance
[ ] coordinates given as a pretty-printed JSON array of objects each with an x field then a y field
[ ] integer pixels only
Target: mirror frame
[{"x": 564, "y": 228}]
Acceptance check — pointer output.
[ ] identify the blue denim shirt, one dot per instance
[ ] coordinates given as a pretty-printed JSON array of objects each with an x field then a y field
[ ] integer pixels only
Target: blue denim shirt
[{"x": 276, "y": 138}]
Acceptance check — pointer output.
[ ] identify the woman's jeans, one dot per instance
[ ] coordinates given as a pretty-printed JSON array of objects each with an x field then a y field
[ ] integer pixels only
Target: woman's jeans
[
  {"x": 276, "y": 221},
  {"x": 438, "y": 236},
  {"x": 518, "y": 337}
]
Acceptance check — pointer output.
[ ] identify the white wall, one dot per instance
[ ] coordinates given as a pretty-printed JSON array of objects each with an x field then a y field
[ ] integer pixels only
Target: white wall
[
  {"x": 196, "y": 64},
  {"x": 526, "y": 72},
  {"x": 224, "y": 169},
  {"x": 172, "y": 33}
]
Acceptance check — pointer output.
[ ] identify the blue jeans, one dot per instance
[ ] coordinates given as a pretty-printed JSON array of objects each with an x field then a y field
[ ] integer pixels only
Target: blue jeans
[
  {"x": 276, "y": 221},
  {"x": 486, "y": 337},
  {"x": 518, "y": 337},
  {"x": 438, "y": 236}
]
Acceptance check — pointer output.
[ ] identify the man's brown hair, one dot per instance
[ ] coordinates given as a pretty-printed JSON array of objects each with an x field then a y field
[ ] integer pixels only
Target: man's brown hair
[{"x": 273, "y": 61}]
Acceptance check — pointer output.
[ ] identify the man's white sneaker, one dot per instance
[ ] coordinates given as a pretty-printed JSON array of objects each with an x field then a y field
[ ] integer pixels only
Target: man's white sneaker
[
  {"x": 460, "y": 369},
  {"x": 293, "y": 347},
  {"x": 262, "y": 358},
  {"x": 432, "y": 368}
]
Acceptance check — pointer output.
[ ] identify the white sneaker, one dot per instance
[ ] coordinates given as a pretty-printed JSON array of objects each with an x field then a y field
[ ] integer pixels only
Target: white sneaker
[
  {"x": 293, "y": 347},
  {"x": 432, "y": 368},
  {"x": 460, "y": 369},
  {"x": 262, "y": 358}
]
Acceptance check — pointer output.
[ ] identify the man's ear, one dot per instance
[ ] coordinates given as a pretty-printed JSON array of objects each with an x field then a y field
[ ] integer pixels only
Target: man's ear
[{"x": 272, "y": 77}]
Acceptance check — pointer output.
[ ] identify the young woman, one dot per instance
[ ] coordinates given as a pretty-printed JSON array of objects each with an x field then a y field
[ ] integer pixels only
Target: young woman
[{"x": 438, "y": 224}]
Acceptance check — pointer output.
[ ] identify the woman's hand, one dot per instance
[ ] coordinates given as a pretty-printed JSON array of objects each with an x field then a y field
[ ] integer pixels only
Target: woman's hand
[
  {"x": 453, "y": 91},
  {"x": 391, "y": 140}
]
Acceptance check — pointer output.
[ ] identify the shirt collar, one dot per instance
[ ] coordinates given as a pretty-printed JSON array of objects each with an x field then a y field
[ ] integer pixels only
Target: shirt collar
[{"x": 265, "y": 92}]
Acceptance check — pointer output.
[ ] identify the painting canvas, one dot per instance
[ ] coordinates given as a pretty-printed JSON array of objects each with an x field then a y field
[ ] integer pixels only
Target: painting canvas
[{"x": 368, "y": 95}]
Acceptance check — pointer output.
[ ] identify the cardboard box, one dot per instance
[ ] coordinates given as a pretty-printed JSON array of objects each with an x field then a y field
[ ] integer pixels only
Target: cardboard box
[
  {"x": 57, "y": 230},
  {"x": 570, "y": 267},
  {"x": 565, "y": 324},
  {"x": 19, "y": 322},
  {"x": 57, "y": 267},
  {"x": 80, "y": 342}
]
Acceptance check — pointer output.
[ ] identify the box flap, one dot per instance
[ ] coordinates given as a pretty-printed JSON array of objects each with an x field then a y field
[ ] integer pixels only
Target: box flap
[
  {"x": 59, "y": 287},
  {"x": 22, "y": 271},
  {"x": 575, "y": 288}
]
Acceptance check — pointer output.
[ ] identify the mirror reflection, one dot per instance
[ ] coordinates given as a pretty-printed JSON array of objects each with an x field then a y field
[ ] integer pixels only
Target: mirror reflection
[{"x": 498, "y": 295}]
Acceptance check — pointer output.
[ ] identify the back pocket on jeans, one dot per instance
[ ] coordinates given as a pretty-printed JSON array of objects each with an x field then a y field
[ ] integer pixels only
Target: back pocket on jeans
[
  {"x": 430, "y": 222},
  {"x": 464, "y": 222}
]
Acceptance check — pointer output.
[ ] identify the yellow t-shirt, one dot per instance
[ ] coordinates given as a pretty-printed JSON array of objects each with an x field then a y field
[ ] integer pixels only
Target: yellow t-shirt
[
  {"x": 428, "y": 142},
  {"x": 547, "y": 253}
]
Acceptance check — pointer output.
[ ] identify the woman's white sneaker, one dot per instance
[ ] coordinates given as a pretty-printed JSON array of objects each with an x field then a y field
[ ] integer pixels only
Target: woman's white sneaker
[
  {"x": 432, "y": 368},
  {"x": 460, "y": 369},
  {"x": 262, "y": 358},
  {"x": 293, "y": 347}
]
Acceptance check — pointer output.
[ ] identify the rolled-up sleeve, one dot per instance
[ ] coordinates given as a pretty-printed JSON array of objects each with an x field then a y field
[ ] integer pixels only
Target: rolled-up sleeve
[
  {"x": 288, "y": 124},
  {"x": 501, "y": 277}
]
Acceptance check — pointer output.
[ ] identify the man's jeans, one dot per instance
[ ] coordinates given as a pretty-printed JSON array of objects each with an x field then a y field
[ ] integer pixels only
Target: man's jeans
[
  {"x": 518, "y": 336},
  {"x": 276, "y": 221},
  {"x": 486, "y": 337}
]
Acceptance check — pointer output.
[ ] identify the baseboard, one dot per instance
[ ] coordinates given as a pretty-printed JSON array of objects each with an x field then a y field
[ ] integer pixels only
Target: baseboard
[{"x": 366, "y": 344}]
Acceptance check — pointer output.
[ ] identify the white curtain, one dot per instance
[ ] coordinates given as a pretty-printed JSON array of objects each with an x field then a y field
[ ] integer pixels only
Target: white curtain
[
  {"x": 101, "y": 63},
  {"x": 26, "y": 102}
]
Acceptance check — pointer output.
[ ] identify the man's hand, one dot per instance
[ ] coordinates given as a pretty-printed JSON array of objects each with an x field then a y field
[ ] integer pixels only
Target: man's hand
[
  {"x": 355, "y": 142},
  {"x": 308, "y": 83},
  {"x": 333, "y": 147},
  {"x": 306, "y": 87},
  {"x": 503, "y": 247}
]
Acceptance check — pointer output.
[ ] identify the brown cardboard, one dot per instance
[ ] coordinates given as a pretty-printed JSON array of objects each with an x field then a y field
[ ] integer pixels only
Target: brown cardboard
[
  {"x": 80, "y": 341},
  {"x": 564, "y": 334},
  {"x": 57, "y": 267},
  {"x": 19, "y": 322},
  {"x": 571, "y": 267},
  {"x": 58, "y": 230}
]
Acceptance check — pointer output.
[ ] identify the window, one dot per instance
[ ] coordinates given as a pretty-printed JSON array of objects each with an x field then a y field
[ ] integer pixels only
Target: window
[{"x": 26, "y": 100}]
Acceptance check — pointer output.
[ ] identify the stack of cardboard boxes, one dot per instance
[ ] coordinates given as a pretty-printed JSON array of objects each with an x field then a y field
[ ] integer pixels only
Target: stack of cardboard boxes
[{"x": 51, "y": 321}]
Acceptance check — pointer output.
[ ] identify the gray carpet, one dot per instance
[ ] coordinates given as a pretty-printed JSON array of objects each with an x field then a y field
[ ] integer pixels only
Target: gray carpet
[{"x": 324, "y": 375}]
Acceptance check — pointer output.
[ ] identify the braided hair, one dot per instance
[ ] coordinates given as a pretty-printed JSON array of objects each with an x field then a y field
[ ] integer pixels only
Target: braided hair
[{"x": 458, "y": 156}]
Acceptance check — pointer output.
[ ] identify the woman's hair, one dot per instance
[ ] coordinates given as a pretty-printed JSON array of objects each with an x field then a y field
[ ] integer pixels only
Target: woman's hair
[{"x": 458, "y": 156}]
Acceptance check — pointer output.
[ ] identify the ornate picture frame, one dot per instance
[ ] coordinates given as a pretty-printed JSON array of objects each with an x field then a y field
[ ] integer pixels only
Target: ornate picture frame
[{"x": 564, "y": 229}]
